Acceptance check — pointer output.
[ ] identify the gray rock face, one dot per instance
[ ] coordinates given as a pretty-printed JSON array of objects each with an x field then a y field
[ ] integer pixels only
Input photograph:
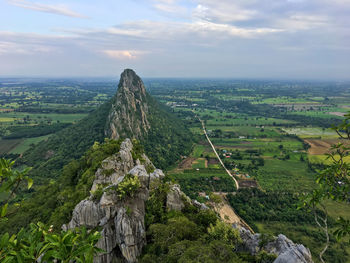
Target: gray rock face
[
  {"x": 122, "y": 221},
  {"x": 174, "y": 198},
  {"x": 288, "y": 252},
  {"x": 199, "y": 205},
  {"x": 284, "y": 248},
  {"x": 128, "y": 115}
]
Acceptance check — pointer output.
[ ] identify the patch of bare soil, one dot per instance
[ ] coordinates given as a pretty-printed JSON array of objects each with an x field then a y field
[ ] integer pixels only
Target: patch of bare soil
[
  {"x": 335, "y": 113},
  {"x": 319, "y": 146},
  {"x": 213, "y": 161},
  {"x": 248, "y": 183},
  {"x": 226, "y": 212},
  {"x": 186, "y": 163}
]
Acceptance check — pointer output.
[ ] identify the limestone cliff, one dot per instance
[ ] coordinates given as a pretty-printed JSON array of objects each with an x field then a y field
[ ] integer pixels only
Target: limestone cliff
[
  {"x": 121, "y": 219},
  {"x": 128, "y": 116},
  {"x": 285, "y": 249},
  {"x": 135, "y": 114}
]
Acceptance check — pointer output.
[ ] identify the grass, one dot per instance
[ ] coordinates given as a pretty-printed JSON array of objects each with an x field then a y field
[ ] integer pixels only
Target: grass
[
  {"x": 322, "y": 158},
  {"x": 292, "y": 175},
  {"x": 199, "y": 163},
  {"x": 8, "y": 145},
  {"x": 247, "y": 131},
  {"x": 40, "y": 117},
  {"x": 26, "y": 143},
  {"x": 198, "y": 151},
  {"x": 205, "y": 180},
  {"x": 7, "y": 119},
  {"x": 312, "y": 132},
  {"x": 337, "y": 209}
]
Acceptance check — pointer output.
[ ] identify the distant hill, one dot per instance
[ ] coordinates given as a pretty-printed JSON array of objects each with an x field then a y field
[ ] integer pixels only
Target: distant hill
[{"x": 132, "y": 113}]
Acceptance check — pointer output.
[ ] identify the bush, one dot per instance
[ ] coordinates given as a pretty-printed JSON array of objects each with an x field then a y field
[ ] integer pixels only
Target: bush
[{"x": 128, "y": 187}]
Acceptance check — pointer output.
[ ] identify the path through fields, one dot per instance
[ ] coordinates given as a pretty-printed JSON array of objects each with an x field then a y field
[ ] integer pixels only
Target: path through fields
[{"x": 217, "y": 155}]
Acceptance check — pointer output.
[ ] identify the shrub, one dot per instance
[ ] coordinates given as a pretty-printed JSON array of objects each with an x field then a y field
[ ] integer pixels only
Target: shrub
[{"x": 128, "y": 187}]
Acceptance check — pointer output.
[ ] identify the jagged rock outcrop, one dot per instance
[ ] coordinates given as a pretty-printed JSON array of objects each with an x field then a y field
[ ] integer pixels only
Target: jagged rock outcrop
[
  {"x": 128, "y": 116},
  {"x": 284, "y": 248},
  {"x": 122, "y": 220},
  {"x": 175, "y": 198}
]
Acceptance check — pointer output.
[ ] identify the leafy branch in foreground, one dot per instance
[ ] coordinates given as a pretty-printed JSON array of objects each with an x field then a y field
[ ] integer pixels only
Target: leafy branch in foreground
[
  {"x": 39, "y": 243},
  {"x": 10, "y": 182},
  {"x": 333, "y": 184}
]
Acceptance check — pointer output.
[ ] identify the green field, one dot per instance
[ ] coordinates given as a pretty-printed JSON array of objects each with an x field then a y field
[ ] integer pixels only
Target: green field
[
  {"x": 291, "y": 175},
  {"x": 26, "y": 143},
  {"x": 312, "y": 132},
  {"x": 31, "y": 118},
  {"x": 8, "y": 145}
]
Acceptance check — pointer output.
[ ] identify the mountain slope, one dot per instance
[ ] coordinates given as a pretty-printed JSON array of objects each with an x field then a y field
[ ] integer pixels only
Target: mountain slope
[
  {"x": 131, "y": 113},
  {"x": 135, "y": 114}
]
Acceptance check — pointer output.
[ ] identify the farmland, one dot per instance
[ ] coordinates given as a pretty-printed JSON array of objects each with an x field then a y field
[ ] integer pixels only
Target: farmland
[
  {"x": 31, "y": 110},
  {"x": 272, "y": 135},
  {"x": 269, "y": 133}
]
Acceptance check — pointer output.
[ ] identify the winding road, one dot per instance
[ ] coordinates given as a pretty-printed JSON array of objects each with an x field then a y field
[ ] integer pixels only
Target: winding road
[
  {"x": 226, "y": 212},
  {"x": 217, "y": 155}
]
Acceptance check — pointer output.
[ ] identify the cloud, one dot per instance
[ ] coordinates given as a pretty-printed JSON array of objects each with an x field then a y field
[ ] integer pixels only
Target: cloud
[
  {"x": 52, "y": 9},
  {"x": 190, "y": 30},
  {"x": 301, "y": 21},
  {"x": 124, "y": 54},
  {"x": 223, "y": 12}
]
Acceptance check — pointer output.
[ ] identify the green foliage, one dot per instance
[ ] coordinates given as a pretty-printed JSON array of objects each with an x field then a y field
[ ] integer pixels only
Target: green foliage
[
  {"x": 264, "y": 257},
  {"x": 265, "y": 239},
  {"x": 48, "y": 157},
  {"x": 128, "y": 187},
  {"x": 256, "y": 205},
  {"x": 10, "y": 181},
  {"x": 333, "y": 183},
  {"x": 168, "y": 139},
  {"x": 54, "y": 202},
  {"x": 208, "y": 180},
  {"x": 156, "y": 204},
  {"x": 97, "y": 194},
  {"x": 108, "y": 172},
  {"x": 39, "y": 241},
  {"x": 18, "y": 132},
  {"x": 225, "y": 233},
  {"x": 137, "y": 150},
  {"x": 191, "y": 235}
]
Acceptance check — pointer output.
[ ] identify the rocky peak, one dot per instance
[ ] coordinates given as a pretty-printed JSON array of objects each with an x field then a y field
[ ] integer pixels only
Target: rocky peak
[
  {"x": 121, "y": 220},
  {"x": 130, "y": 82},
  {"x": 128, "y": 116}
]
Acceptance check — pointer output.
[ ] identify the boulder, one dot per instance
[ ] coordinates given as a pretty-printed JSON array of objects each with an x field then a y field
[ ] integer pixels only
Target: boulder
[{"x": 285, "y": 249}]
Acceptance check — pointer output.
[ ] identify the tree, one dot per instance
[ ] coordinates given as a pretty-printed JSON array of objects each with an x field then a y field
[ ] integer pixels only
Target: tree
[
  {"x": 333, "y": 184},
  {"x": 38, "y": 241},
  {"x": 10, "y": 182}
]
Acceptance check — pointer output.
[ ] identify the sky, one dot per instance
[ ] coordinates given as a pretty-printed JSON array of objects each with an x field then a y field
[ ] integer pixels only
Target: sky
[{"x": 282, "y": 39}]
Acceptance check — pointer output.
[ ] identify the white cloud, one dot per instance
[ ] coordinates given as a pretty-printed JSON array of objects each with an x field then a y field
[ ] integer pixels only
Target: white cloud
[
  {"x": 296, "y": 22},
  {"x": 179, "y": 30},
  {"x": 53, "y": 9},
  {"x": 124, "y": 54},
  {"x": 222, "y": 11}
]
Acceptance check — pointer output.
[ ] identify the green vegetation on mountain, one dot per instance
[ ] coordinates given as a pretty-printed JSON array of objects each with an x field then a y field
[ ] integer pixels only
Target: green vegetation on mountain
[
  {"x": 54, "y": 202},
  {"x": 48, "y": 157},
  {"x": 191, "y": 235},
  {"x": 37, "y": 242},
  {"x": 165, "y": 140}
]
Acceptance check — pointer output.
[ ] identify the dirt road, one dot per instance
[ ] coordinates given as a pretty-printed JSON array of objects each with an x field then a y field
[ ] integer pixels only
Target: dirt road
[{"x": 217, "y": 155}]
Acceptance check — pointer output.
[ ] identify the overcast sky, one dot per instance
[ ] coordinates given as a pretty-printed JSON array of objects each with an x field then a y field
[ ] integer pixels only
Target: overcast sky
[{"x": 285, "y": 39}]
